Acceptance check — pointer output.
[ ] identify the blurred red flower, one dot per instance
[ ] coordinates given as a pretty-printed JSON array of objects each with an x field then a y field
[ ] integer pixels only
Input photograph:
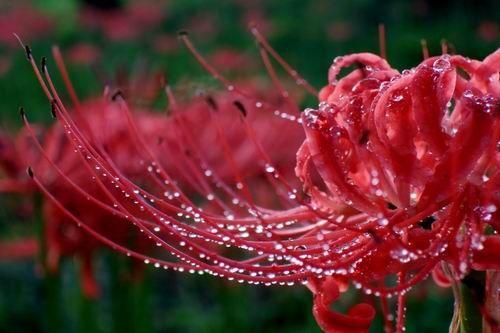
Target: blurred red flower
[
  {"x": 123, "y": 22},
  {"x": 399, "y": 172},
  {"x": 106, "y": 122},
  {"x": 24, "y": 20}
]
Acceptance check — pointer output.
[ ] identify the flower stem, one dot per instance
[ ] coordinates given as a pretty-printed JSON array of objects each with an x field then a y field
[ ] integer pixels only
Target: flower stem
[
  {"x": 52, "y": 320},
  {"x": 471, "y": 296},
  {"x": 492, "y": 302},
  {"x": 131, "y": 298},
  {"x": 87, "y": 321}
]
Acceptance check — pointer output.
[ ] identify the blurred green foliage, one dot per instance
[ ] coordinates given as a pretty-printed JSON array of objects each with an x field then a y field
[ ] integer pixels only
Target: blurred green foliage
[{"x": 309, "y": 34}]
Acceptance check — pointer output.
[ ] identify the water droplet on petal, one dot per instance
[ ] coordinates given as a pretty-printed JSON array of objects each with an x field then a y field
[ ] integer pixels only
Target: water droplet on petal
[{"x": 441, "y": 64}]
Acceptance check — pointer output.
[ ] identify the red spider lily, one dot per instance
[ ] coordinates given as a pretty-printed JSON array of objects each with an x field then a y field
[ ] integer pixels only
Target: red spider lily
[
  {"x": 488, "y": 31},
  {"x": 25, "y": 20},
  {"x": 416, "y": 153},
  {"x": 5, "y": 65},
  {"x": 232, "y": 60},
  {"x": 107, "y": 123},
  {"x": 123, "y": 23},
  {"x": 165, "y": 43},
  {"x": 18, "y": 249},
  {"x": 399, "y": 173},
  {"x": 84, "y": 54}
]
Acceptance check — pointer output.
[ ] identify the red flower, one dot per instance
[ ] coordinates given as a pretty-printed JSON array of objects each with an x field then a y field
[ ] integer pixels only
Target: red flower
[
  {"x": 22, "y": 18},
  {"x": 25, "y": 248},
  {"x": 84, "y": 54},
  {"x": 399, "y": 173},
  {"x": 25, "y": 21},
  {"x": 123, "y": 23},
  {"x": 416, "y": 155},
  {"x": 232, "y": 60},
  {"x": 357, "y": 320},
  {"x": 106, "y": 121}
]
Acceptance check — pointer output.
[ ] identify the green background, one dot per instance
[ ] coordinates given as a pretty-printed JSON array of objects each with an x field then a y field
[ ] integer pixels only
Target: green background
[{"x": 301, "y": 32}]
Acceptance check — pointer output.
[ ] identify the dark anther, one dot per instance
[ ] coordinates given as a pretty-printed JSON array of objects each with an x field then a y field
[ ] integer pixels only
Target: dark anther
[
  {"x": 53, "y": 106},
  {"x": 427, "y": 222},
  {"x": 104, "y": 5},
  {"x": 211, "y": 102},
  {"x": 182, "y": 33},
  {"x": 28, "y": 51},
  {"x": 44, "y": 63},
  {"x": 364, "y": 137},
  {"x": 362, "y": 68},
  {"x": 22, "y": 113},
  {"x": 30, "y": 172},
  {"x": 376, "y": 238},
  {"x": 391, "y": 206},
  {"x": 116, "y": 94},
  {"x": 475, "y": 282},
  {"x": 163, "y": 81},
  {"x": 240, "y": 107}
]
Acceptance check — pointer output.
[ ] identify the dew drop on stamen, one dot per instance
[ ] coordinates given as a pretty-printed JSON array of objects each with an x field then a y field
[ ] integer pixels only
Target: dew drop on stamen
[
  {"x": 269, "y": 168},
  {"x": 383, "y": 222},
  {"x": 468, "y": 94},
  {"x": 397, "y": 97},
  {"x": 491, "y": 208}
]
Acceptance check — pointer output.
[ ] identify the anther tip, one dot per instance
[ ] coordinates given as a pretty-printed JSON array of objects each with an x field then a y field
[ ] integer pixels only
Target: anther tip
[
  {"x": 29, "y": 171},
  {"x": 27, "y": 49},
  {"x": 53, "y": 108},
  {"x": 117, "y": 94},
  {"x": 212, "y": 103},
  {"x": 241, "y": 108}
]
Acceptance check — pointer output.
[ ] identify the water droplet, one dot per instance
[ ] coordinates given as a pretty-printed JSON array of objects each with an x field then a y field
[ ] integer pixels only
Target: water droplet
[
  {"x": 338, "y": 59},
  {"x": 441, "y": 64},
  {"x": 397, "y": 97},
  {"x": 269, "y": 168},
  {"x": 383, "y": 222},
  {"x": 491, "y": 208},
  {"x": 468, "y": 94}
]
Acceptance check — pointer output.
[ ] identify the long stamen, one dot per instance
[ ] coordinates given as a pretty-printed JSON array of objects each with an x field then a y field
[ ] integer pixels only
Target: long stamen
[
  {"x": 425, "y": 50},
  {"x": 381, "y": 40},
  {"x": 293, "y": 73},
  {"x": 56, "y": 52}
]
